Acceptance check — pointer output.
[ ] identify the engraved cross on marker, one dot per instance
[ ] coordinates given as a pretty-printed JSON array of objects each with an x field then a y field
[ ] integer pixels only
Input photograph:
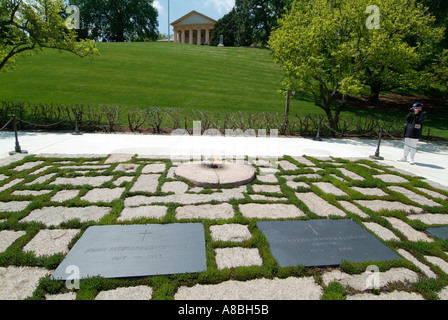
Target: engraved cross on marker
[
  {"x": 144, "y": 234},
  {"x": 313, "y": 229}
]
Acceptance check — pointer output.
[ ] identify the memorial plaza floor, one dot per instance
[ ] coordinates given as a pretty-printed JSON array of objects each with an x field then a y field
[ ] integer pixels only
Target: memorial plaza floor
[{"x": 67, "y": 184}]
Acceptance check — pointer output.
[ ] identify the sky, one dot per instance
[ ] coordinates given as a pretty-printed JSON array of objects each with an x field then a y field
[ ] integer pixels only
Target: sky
[{"x": 214, "y": 9}]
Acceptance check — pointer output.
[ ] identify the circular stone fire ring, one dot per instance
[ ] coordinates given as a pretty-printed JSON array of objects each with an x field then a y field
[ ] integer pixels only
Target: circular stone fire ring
[{"x": 204, "y": 174}]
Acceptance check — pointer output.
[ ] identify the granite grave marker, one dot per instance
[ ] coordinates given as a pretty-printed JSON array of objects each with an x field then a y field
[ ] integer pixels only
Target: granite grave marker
[
  {"x": 318, "y": 243},
  {"x": 439, "y": 232},
  {"x": 135, "y": 251}
]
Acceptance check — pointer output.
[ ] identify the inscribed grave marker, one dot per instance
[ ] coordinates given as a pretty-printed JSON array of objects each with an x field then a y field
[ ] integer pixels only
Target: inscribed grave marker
[
  {"x": 439, "y": 232},
  {"x": 322, "y": 243},
  {"x": 136, "y": 251}
]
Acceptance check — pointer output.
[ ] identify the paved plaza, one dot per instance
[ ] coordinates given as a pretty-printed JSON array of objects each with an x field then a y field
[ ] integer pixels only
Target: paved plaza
[{"x": 49, "y": 197}]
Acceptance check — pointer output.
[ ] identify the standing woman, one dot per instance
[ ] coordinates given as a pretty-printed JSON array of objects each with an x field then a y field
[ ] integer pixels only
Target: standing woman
[{"x": 413, "y": 131}]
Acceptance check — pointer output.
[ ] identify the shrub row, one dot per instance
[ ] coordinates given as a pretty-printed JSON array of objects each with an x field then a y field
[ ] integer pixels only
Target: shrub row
[{"x": 111, "y": 118}]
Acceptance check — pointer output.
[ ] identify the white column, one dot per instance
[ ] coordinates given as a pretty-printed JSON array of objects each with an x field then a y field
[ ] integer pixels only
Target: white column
[
  {"x": 199, "y": 32},
  {"x": 183, "y": 36},
  {"x": 190, "y": 32},
  {"x": 207, "y": 36}
]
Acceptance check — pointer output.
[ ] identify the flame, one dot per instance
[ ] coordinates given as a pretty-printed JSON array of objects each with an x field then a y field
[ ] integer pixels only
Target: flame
[{"x": 217, "y": 163}]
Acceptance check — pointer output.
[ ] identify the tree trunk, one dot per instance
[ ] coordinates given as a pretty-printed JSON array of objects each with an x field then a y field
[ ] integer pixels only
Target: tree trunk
[
  {"x": 375, "y": 90},
  {"x": 286, "y": 121}
]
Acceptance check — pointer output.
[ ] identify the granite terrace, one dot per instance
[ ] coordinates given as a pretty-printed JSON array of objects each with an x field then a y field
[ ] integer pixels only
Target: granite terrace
[{"x": 48, "y": 201}]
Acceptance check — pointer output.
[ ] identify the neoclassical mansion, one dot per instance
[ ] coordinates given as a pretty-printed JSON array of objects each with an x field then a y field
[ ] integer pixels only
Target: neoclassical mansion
[{"x": 193, "y": 28}]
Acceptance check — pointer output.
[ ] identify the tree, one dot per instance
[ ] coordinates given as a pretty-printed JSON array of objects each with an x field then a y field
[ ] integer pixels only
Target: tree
[
  {"x": 311, "y": 46},
  {"x": 257, "y": 18},
  {"x": 398, "y": 54},
  {"x": 29, "y": 26},
  {"x": 439, "y": 9},
  {"x": 441, "y": 70},
  {"x": 118, "y": 20},
  {"x": 226, "y": 26},
  {"x": 327, "y": 48}
]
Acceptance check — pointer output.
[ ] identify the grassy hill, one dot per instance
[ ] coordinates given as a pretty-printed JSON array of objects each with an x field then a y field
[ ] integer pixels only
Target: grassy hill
[
  {"x": 177, "y": 76},
  {"x": 151, "y": 74}
]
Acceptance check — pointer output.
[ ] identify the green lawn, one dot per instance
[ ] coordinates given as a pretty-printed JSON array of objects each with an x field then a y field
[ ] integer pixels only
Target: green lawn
[
  {"x": 168, "y": 75},
  {"x": 152, "y": 74}
]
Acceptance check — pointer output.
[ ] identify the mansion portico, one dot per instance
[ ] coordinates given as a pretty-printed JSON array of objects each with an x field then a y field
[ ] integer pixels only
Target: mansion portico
[{"x": 193, "y": 28}]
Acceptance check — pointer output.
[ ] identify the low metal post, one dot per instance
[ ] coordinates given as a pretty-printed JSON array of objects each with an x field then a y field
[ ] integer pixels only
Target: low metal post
[
  {"x": 76, "y": 132},
  {"x": 377, "y": 153},
  {"x": 18, "y": 149},
  {"x": 317, "y": 137}
]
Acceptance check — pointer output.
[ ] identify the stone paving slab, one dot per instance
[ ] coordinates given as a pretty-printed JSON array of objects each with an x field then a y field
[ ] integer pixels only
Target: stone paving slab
[
  {"x": 42, "y": 179},
  {"x": 286, "y": 165},
  {"x": 131, "y": 293},
  {"x": 378, "y": 205},
  {"x": 442, "y": 264},
  {"x": 237, "y": 257},
  {"x": 329, "y": 188},
  {"x": 319, "y": 206},
  {"x": 395, "y": 295},
  {"x": 361, "y": 281},
  {"x": 127, "y": 167},
  {"x": 175, "y": 186},
  {"x": 176, "y": 200},
  {"x": 430, "y": 218},
  {"x": 114, "y": 158},
  {"x": 146, "y": 183},
  {"x": 230, "y": 232},
  {"x": 103, "y": 195},
  {"x": 64, "y": 195},
  {"x": 427, "y": 270},
  {"x": 352, "y": 208},
  {"x": 432, "y": 193},
  {"x": 411, "y": 234},
  {"x": 50, "y": 242},
  {"x": 61, "y": 297},
  {"x": 391, "y": 178},
  {"x": 28, "y": 165},
  {"x": 30, "y": 192},
  {"x": 206, "y": 211},
  {"x": 54, "y": 216},
  {"x": 154, "y": 168},
  {"x": 269, "y": 178},
  {"x": 260, "y": 289},
  {"x": 225, "y": 195},
  {"x": 80, "y": 181},
  {"x": 13, "y": 206},
  {"x": 304, "y": 161},
  {"x": 381, "y": 231},
  {"x": 10, "y": 184},
  {"x": 18, "y": 283},
  {"x": 143, "y": 212},
  {"x": 351, "y": 174},
  {"x": 271, "y": 211},
  {"x": 266, "y": 188},
  {"x": 414, "y": 196},
  {"x": 261, "y": 197},
  {"x": 370, "y": 191},
  {"x": 8, "y": 237},
  {"x": 295, "y": 185}
]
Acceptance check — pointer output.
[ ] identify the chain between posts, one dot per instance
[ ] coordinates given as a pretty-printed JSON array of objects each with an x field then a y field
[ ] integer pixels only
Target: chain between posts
[
  {"x": 43, "y": 125},
  {"x": 7, "y": 123}
]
